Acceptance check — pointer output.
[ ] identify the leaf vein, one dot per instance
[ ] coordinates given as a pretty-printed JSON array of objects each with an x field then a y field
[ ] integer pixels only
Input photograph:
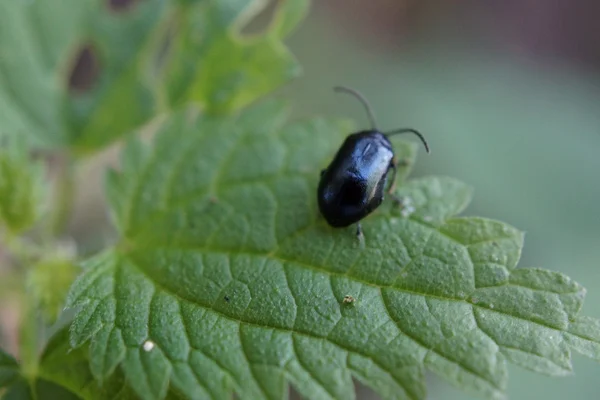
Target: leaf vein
[
  {"x": 276, "y": 328},
  {"x": 305, "y": 367},
  {"x": 245, "y": 353},
  {"x": 432, "y": 350}
]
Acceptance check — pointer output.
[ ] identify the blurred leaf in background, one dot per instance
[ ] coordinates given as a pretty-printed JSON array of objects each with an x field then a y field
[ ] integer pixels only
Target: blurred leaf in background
[
  {"x": 82, "y": 73},
  {"x": 49, "y": 282},
  {"x": 9, "y": 369},
  {"x": 22, "y": 186},
  {"x": 69, "y": 70},
  {"x": 211, "y": 62}
]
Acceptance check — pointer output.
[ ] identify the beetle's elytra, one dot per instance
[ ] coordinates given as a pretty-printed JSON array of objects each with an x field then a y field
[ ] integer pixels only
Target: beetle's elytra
[{"x": 354, "y": 183}]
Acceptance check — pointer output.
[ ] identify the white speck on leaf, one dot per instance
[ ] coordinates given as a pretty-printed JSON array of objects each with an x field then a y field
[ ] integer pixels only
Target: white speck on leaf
[
  {"x": 407, "y": 211},
  {"x": 148, "y": 345}
]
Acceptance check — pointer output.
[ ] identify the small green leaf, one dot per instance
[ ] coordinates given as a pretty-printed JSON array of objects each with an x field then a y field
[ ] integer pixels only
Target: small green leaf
[
  {"x": 48, "y": 284},
  {"x": 19, "y": 391},
  {"x": 39, "y": 390},
  {"x": 69, "y": 368},
  {"x": 21, "y": 187},
  {"x": 62, "y": 373},
  {"x": 212, "y": 63},
  {"x": 227, "y": 279},
  {"x": 9, "y": 369}
]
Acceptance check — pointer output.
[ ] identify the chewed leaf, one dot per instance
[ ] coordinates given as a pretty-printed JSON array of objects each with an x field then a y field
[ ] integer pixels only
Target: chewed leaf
[
  {"x": 70, "y": 73},
  {"x": 228, "y": 280},
  {"x": 219, "y": 67},
  {"x": 83, "y": 73}
]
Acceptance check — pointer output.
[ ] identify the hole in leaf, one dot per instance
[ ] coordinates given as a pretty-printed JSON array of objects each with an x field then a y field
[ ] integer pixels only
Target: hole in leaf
[
  {"x": 121, "y": 5},
  {"x": 85, "y": 71}
]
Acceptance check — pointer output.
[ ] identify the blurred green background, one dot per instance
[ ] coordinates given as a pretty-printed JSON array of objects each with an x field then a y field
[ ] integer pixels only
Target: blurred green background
[{"x": 508, "y": 96}]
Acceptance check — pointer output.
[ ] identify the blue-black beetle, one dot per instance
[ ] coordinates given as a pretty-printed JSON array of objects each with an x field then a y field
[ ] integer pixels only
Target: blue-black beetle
[{"x": 353, "y": 185}]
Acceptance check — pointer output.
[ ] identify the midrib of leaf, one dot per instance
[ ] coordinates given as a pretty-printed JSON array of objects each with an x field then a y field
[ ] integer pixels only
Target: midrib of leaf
[
  {"x": 210, "y": 307},
  {"x": 273, "y": 256},
  {"x": 298, "y": 264}
]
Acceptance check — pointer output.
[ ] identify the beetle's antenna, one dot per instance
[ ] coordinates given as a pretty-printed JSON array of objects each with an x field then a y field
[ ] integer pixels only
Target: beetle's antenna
[
  {"x": 409, "y": 130},
  {"x": 362, "y": 99}
]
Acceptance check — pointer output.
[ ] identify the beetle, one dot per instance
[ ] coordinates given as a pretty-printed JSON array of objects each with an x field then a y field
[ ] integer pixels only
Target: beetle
[{"x": 353, "y": 185}]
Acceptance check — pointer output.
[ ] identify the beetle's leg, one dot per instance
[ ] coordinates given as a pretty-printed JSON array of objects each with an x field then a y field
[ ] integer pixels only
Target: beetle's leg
[
  {"x": 359, "y": 232},
  {"x": 398, "y": 201},
  {"x": 393, "y": 167}
]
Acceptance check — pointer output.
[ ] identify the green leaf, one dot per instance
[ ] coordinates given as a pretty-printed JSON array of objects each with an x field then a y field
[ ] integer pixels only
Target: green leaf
[
  {"x": 69, "y": 369},
  {"x": 9, "y": 369},
  {"x": 69, "y": 70},
  {"x": 77, "y": 73},
  {"x": 226, "y": 279},
  {"x": 212, "y": 63},
  {"x": 21, "y": 187},
  {"x": 62, "y": 373},
  {"x": 39, "y": 390}
]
